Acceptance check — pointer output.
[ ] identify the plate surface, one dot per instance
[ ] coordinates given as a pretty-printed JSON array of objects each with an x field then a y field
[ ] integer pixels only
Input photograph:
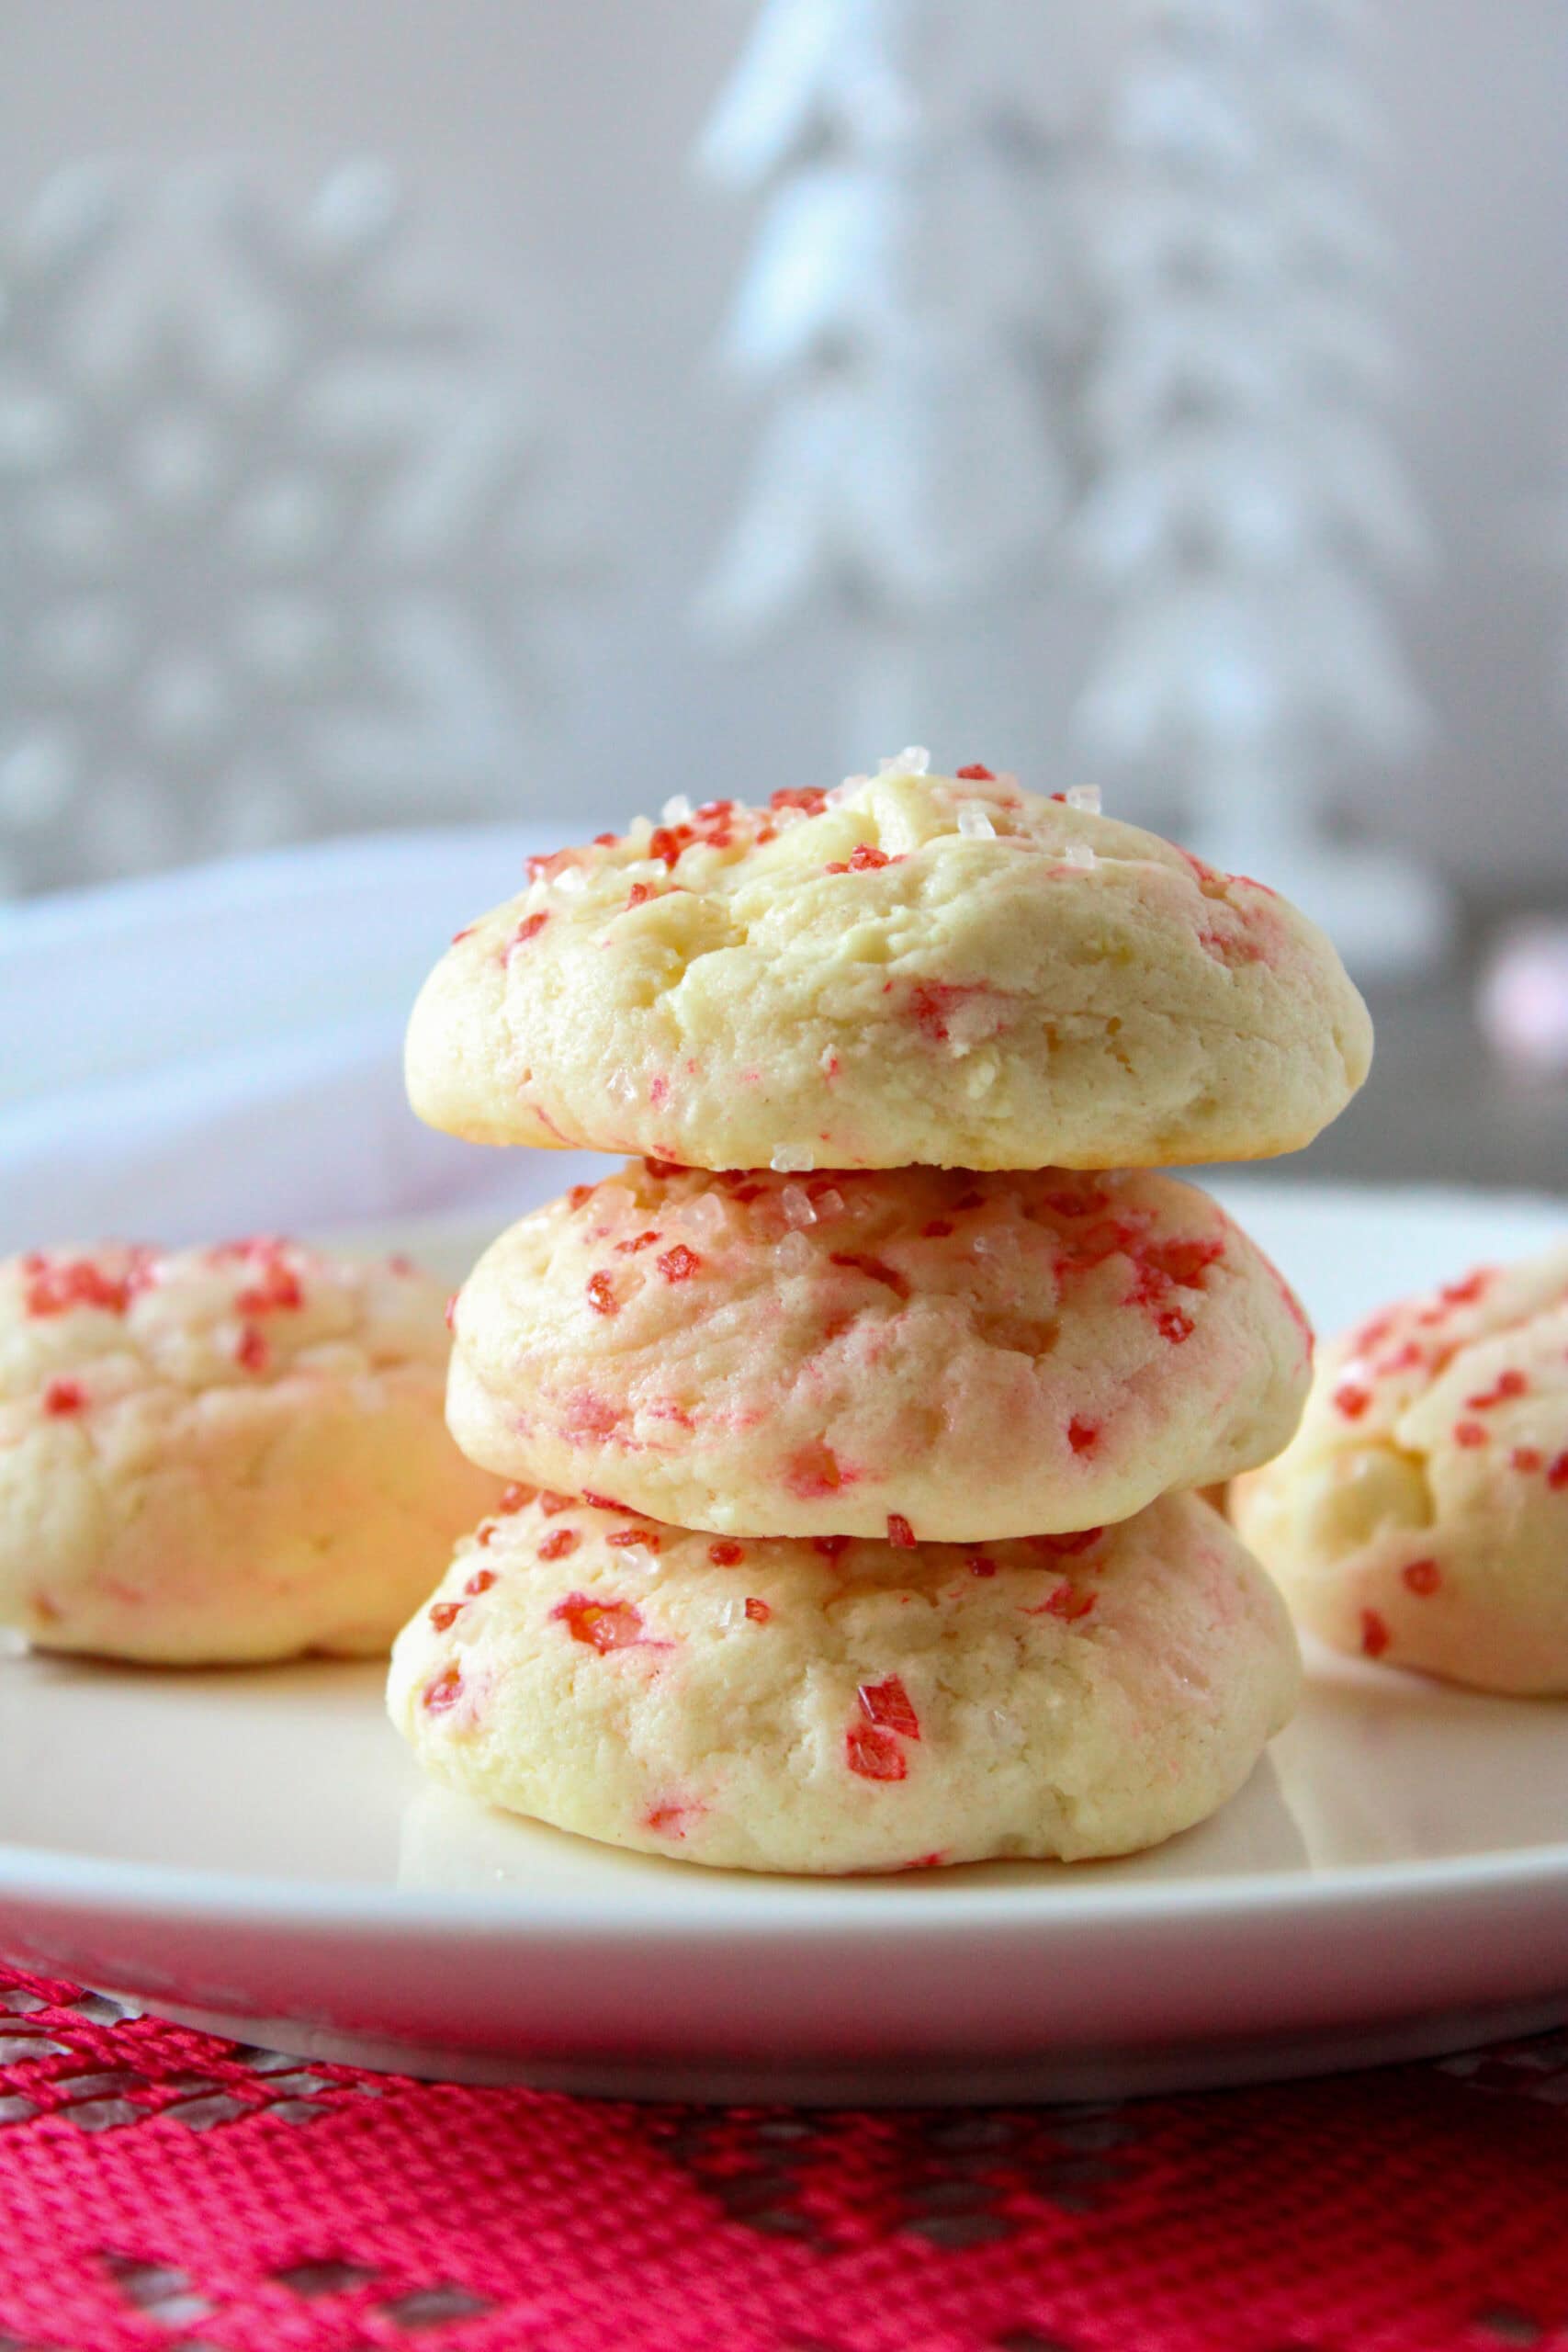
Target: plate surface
[{"x": 255, "y": 1849}]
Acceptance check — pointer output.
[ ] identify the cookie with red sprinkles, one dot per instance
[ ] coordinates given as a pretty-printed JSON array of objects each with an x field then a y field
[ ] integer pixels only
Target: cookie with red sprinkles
[
  {"x": 964, "y": 1356},
  {"x": 846, "y": 1705},
  {"x": 224, "y": 1454},
  {"x": 908, "y": 970},
  {"x": 1420, "y": 1516}
]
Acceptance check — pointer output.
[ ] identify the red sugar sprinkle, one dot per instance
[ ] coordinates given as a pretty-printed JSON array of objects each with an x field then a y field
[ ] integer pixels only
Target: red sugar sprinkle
[
  {"x": 814, "y": 1470},
  {"x": 579, "y": 1195},
  {"x": 937, "y": 1230},
  {"x": 1469, "y": 1433},
  {"x": 668, "y": 842},
  {"x": 978, "y": 1565},
  {"x": 1174, "y": 1326},
  {"x": 660, "y": 1168},
  {"x": 1082, "y": 1436},
  {"x": 678, "y": 1265},
  {"x": 251, "y": 1350},
  {"x": 445, "y": 1691},
  {"x": 899, "y": 1531},
  {"x": 481, "y": 1581},
  {"x": 600, "y": 1294},
  {"x": 603, "y": 1624},
  {"x": 1466, "y": 1293},
  {"x": 864, "y": 859},
  {"x": 608, "y": 1502},
  {"x": 1508, "y": 1384},
  {"x": 1526, "y": 1458},
  {"x": 486, "y": 1534},
  {"x": 452, "y": 1312},
  {"x": 552, "y": 1504},
  {"x": 445, "y": 1615},
  {"x": 605, "y": 841},
  {"x": 624, "y": 1537},
  {"x": 467, "y": 933},
  {"x": 559, "y": 1543},
  {"x": 758, "y": 1612},
  {"x": 665, "y": 1820},
  {"x": 529, "y": 928},
  {"x": 278, "y": 1287},
  {"x": 639, "y": 1241},
  {"x": 807, "y": 796},
  {"x": 1065, "y": 1603},
  {"x": 830, "y": 1546},
  {"x": 639, "y": 894},
  {"x": 876, "y": 1269},
  {"x": 976, "y": 774},
  {"x": 63, "y": 1396},
  {"x": 1557, "y": 1472},
  {"x": 1422, "y": 1575},
  {"x": 1375, "y": 1635},
  {"x": 875, "y": 1755},
  {"x": 514, "y": 1497},
  {"x": 1350, "y": 1400},
  {"x": 888, "y": 1704},
  {"x": 726, "y": 1554},
  {"x": 53, "y": 1289}
]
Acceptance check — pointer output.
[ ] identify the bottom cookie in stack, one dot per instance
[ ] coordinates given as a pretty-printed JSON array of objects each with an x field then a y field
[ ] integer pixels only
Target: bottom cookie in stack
[{"x": 836, "y": 1704}]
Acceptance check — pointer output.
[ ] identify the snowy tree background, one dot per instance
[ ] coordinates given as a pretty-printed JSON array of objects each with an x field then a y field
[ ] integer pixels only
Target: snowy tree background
[
  {"x": 266, "y": 566},
  {"x": 903, "y": 316},
  {"x": 1247, "y": 505}
]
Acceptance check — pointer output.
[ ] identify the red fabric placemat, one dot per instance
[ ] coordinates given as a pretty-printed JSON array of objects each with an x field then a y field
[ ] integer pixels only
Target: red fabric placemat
[{"x": 158, "y": 2187}]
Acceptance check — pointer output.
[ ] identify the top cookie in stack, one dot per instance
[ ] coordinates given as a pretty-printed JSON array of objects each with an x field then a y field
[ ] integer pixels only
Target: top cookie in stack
[{"x": 910, "y": 969}]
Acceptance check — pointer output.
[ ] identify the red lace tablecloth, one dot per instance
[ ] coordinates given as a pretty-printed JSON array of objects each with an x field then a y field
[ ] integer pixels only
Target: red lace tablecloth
[{"x": 160, "y": 2189}]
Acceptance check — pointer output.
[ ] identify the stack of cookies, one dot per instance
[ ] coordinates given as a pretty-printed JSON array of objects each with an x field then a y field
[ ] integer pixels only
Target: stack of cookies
[{"x": 856, "y": 1422}]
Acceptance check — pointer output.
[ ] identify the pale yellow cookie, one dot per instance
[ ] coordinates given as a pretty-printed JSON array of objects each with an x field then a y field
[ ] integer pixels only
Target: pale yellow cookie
[
  {"x": 1421, "y": 1514},
  {"x": 225, "y": 1454},
  {"x": 917, "y": 968},
  {"x": 964, "y": 1356},
  {"x": 785, "y": 1705}
]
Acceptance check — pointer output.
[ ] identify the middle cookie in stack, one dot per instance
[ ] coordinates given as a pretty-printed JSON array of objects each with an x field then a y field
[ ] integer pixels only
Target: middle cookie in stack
[{"x": 852, "y": 1552}]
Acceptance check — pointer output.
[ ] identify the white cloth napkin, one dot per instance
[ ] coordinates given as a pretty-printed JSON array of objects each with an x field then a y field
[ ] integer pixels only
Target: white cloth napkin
[{"x": 219, "y": 1051}]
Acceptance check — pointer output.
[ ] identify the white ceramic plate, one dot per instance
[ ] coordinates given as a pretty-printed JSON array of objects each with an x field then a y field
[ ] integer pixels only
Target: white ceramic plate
[{"x": 257, "y": 1850}]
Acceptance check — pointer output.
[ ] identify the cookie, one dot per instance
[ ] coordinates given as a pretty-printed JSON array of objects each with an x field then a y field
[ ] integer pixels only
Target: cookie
[
  {"x": 225, "y": 1454},
  {"x": 953, "y": 1355},
  {"x": 910, "y": 969},
  {"x": 838, "y": 1705},
  {"x": 1420, "y": 1517}
]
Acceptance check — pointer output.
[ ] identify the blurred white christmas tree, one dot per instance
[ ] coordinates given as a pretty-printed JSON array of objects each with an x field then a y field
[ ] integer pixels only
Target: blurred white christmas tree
[
  {"x": 902, "y": 307},
  {"x": 1247, "y": 505},
  {"x": 266, "y": 562}
]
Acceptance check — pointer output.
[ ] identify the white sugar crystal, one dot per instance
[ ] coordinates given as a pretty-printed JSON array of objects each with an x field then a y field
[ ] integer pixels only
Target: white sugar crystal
[
  {"x": 784, "y": 818},
  {"x": 707, "y": 1216},
  {"x": 1080, "y": 854},
  {"x": 733, "y": 1613},
  {"x": 677, "y": 810},
  {"x": 846, "y": 791},
  {"x": 913, "y": 760},
  {"x": 638, "y": 1558},
  {"x": 829, "y": 1204},
  {"x": 622, "y": 1085},
  {"x": 793, "y": 1254},
  {"x": 793, "y": 1160},
  {"x": 570, "y": 880},
  {"x": 796, "y": 1206},
  {"x": 1085, "y": 796},
  {"x": 973, "y": 823},
  {"x": 1006, "y": 1730}
]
